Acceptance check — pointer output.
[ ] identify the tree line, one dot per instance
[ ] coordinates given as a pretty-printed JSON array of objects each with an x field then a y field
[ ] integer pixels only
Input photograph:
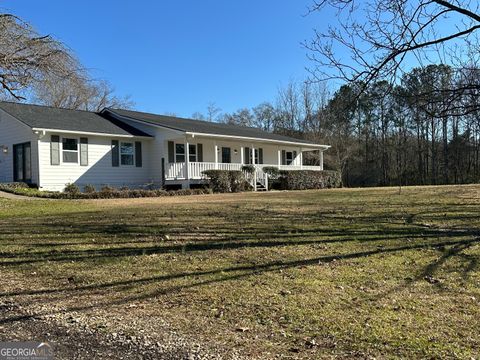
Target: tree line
[{"x": 417, "y": 132}]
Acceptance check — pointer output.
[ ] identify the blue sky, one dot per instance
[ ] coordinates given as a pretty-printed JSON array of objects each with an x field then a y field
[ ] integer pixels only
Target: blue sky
[{"x": 177, "y": 56}]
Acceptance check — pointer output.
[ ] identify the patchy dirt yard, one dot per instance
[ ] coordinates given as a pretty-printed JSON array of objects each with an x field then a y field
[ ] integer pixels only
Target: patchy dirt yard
[{"x": 347, "y": 273}]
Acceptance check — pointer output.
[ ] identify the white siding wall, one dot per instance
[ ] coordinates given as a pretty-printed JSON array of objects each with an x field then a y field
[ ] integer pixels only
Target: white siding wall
[
  {"x": 158, "y": 147},
  {"x": 99, "y": 171},
  {"x": 14, "y": 132},
  {"x": 270, "y": 151}
]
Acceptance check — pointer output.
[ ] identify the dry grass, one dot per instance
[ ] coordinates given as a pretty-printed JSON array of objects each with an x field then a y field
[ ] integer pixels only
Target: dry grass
[{"x": 315, "y": 274}]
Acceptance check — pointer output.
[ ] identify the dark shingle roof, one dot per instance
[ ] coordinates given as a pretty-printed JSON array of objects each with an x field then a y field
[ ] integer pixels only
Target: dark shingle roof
[
  {"x": 45, "y": 117},
  {"x": 204, "y": 127}
]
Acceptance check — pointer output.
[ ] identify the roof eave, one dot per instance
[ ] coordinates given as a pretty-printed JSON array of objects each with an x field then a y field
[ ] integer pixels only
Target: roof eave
[
  {"x": 316, "y": 146},
  {"x": 90, "y": 133}
]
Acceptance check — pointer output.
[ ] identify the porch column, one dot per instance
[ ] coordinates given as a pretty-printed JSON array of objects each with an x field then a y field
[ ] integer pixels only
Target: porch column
[
  {"x": 320, "y": 158},
  {"x": 242, "y": 155},
  {"x": 301, "y": 158},
  {"x": 279, "y": 158},
  {"x": 216, "y": 155},
  {"x": 187, "y": 159},
  {"x": 253, "y": 155}
]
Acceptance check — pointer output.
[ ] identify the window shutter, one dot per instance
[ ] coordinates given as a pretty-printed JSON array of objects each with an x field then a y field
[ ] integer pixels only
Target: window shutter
[
  {"x": 171, "y": 152},
  {"x": 83, "y": 152},
  {"x": 260, "y": 156},
  {"x": 138, "y": 154},
  {"x": 115, "y": 153},
  {"x": 284, "y": 157},
  {"x": 199, "y": 152},
  {"x": 55, "y": 150},
  {"x": 247, "y": 156}
]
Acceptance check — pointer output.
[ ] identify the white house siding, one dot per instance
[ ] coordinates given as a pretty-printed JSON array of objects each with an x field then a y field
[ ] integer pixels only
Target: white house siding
[
  {"x": 14, "y": 132},
  {"x": 270, "y": 151},
  {"x": 99, "y": 171},
  {"x": 158, "y": 146}
]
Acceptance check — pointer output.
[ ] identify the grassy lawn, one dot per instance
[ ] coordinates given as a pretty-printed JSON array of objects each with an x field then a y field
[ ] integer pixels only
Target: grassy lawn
[{"x": 316, "y": 274}]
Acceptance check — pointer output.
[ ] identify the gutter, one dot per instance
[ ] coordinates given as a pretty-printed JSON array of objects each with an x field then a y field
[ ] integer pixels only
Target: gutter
[{"x": 90, "y": 133}]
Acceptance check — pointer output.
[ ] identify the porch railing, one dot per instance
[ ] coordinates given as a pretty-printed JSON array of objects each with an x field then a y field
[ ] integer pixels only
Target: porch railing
[{"x": 174, "y": 171}]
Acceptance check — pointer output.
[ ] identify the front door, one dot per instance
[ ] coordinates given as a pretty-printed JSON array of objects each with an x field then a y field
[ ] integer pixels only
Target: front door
[{"x": 22, "y": 163}]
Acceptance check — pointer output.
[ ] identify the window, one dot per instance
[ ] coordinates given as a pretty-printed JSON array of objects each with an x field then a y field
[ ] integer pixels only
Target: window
[
  {"x": 192, "y": 153},
  {"x": 70, "y": 150},
  {"x": 179, "y": 153},
  {"x": 226, "y": 155},
  {"x": 127, "y": 153},
  {"x": 289, "y": 157}
]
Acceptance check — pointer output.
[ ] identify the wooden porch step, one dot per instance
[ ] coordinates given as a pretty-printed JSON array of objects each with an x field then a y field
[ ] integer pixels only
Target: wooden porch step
[{"x": 260, "y": 187}]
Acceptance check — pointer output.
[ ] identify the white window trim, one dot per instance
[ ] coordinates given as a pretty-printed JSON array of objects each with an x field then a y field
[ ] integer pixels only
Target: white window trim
[
  {"x": 120, "y": 153},
  {"x": 72, "y": 151}
]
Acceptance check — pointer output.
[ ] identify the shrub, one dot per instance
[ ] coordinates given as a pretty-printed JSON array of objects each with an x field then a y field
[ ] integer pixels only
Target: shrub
[
  {"x": 224, "y": 181},
  {"x": 237, "y": 181},
  {"x": 107, "y": 192},
  {"x": 14, "y": 185},
  {"x": 309, "y": 179},
  {"x": 272, "y": 172},
  {"x": 249, "y": 169},
  {"x": 71, "y": 189},
  {"x": 89, "y": 189}
]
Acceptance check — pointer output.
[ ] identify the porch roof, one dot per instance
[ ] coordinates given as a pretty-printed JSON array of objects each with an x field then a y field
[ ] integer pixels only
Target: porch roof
[{"x": 207, "y": 128}]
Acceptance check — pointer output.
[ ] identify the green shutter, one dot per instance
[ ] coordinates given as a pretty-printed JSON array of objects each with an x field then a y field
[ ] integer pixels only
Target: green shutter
[
  {"x": 83, "y": 152},
  {"x": 171, "y": 152},
  {"x": 115, "y": 153},
  {"x": 284, "y": 157},
  {"x": 55, "y": 150},
  {"x": 199, "y": 152},
  {"x": 260, "y": 156},
  {"x": 138, "y": 154}
]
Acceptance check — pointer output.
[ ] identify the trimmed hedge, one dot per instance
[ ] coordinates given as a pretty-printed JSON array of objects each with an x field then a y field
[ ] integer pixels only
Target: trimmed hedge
[
  {"x": 272, "y": 172},
  {"x": 106, "y": 192},
  {"x": 225, "y": 181},
  {"x": 309, "y": 179}
]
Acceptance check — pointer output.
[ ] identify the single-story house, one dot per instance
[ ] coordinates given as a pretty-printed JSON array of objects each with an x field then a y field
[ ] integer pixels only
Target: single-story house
[{"x": 51, "y": 147}]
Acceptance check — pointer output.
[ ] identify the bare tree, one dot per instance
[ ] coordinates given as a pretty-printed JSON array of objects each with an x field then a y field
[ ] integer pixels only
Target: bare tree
[
  {"x": 198, "y": 116},
  {"x": 26, "y": 57},
  {"x": 213, "y": 111},
  {"x": 376, "y": 39},
  {"x": 242, "y": 117}
]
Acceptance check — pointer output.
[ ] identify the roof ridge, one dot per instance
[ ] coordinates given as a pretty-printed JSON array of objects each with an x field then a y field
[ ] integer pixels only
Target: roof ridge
[
  {"x": 189, "y": 119},
  {"x": 48, "y": 106}
]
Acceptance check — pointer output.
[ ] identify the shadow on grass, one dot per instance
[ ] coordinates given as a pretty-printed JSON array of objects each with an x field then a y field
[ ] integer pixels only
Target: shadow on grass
[
  {"x": 245, "y": 271},
  {"x": 255, "y": 227},
  {"x": 245, "y": 240}
]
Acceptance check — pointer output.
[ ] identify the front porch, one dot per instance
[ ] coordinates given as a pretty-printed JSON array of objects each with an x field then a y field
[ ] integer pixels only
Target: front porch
[
  {"x": 189, "y": 156},
  {"x": 194, "y": 170}
]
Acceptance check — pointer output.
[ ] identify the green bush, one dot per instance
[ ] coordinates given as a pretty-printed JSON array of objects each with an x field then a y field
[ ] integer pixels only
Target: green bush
[
  {"x": 272, "y": 172},
  {"x": 71, "y": 189},
  {"x": 89, "y": 189},
  {"x": 225, "y": 181},
  {"x": 309, "y": 179},
  {"x": 14, "y": 185},
  {"x": 107, "y": 192},
  {"x": 249, "y": 169}
]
